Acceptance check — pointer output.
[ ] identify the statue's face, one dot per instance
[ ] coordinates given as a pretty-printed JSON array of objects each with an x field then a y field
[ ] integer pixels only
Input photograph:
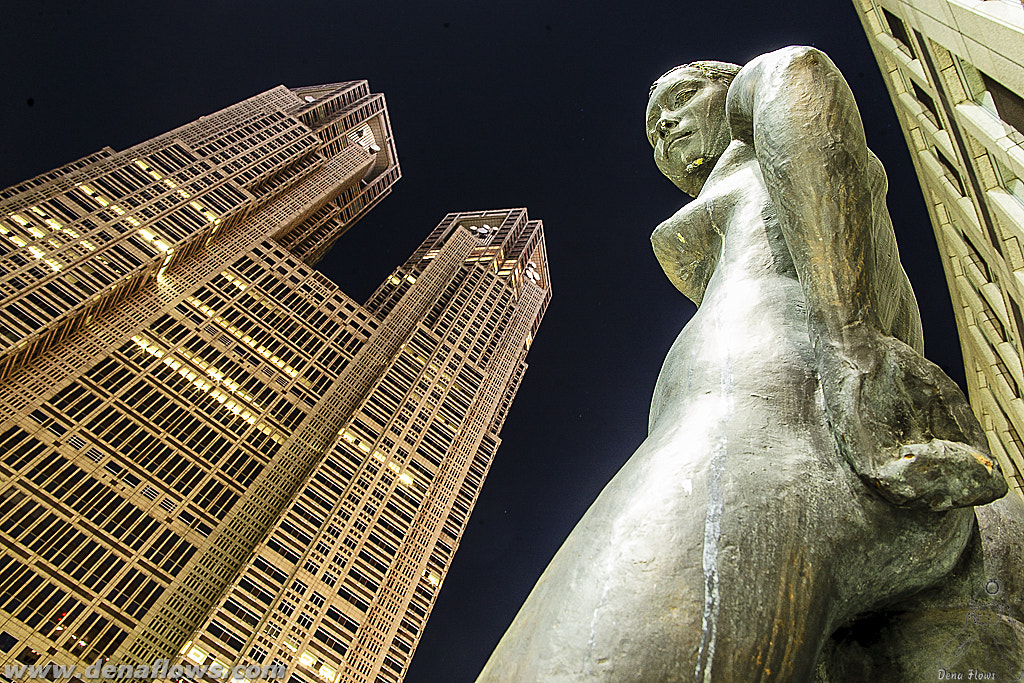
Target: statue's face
[{"x": 687, "y": 126}]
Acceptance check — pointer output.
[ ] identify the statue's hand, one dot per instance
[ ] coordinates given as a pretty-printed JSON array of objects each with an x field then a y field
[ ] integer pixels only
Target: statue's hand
[{"x": 904, "y": 426}]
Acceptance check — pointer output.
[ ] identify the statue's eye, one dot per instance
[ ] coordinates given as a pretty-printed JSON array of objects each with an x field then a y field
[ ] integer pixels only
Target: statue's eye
[{"x": 683, "y": 96}]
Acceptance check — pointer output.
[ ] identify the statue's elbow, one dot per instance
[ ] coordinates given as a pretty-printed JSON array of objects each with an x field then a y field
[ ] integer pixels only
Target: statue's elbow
[
  {"x": 800, "y": 55},
  {"x": 802, "y": 58},
  {"x": 769, "y": 83}
]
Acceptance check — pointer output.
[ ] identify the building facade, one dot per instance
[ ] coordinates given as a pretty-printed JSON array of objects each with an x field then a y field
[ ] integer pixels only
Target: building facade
[
  {"x": 209, "y": 454},
  {"x": 955, "y": 71}
]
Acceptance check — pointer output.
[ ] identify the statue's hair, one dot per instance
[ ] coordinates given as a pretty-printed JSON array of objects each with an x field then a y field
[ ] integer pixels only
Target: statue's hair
[{"x": 717, "y": 71}]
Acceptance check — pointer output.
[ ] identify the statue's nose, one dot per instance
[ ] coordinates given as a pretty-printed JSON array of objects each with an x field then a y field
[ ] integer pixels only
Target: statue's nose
[{"x": 665, "y": 125}]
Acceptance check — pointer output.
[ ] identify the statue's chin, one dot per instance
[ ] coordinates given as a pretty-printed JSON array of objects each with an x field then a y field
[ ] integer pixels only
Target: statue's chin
[
  {"x": 695, "y": 165},
  {"x": 691, "y": 179}
]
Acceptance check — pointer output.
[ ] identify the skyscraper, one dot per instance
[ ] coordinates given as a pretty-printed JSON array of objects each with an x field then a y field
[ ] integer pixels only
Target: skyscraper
[
  {"x": 955, "y": 72},
  {"x": 208, "y": 452}
]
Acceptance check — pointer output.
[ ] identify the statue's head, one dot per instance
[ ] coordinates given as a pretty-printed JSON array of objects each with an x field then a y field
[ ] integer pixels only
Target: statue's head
[{"x": 686, "y": 121}]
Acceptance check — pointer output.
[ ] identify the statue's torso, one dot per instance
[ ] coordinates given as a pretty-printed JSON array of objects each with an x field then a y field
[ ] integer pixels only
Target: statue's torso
[
  {"x": 748, "y": 341},
  {"x": 737, "y": 488}
]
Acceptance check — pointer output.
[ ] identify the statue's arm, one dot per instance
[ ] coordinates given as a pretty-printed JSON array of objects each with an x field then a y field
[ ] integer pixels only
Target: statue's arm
[
  {"x": 903, "y": 426},
  {"x": 796, "y": 110}
]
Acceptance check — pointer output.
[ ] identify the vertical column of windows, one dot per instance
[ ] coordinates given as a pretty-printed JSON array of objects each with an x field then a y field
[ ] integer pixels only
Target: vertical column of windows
[
  {"x": 1003, "y": 220},
  {"x": 363, "y": 553},
  {"x": 972, "y": 282},
  {"x": 435, "y": 432}
]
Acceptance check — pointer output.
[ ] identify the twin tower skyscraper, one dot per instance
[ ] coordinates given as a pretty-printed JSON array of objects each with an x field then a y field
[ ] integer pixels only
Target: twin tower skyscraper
[{"x": 208, "y": 452}]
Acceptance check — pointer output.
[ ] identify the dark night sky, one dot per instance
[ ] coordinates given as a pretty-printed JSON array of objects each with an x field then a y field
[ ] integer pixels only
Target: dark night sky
[{"x": 493, "y": 105}]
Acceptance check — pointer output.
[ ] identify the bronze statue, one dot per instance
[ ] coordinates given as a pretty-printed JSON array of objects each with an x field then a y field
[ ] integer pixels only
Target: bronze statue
[{"x": 806, "y": 469}]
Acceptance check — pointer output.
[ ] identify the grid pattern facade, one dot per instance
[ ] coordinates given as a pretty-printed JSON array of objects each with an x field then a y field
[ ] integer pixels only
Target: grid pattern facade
[
  {"x": 342, "y": 587},
  {"x": 181, "y": 394},
  {"x": 955, "y": 71}
]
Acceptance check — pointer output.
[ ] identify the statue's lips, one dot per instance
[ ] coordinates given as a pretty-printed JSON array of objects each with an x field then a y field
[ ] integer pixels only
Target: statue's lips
[{"x": 678, "y": 137}]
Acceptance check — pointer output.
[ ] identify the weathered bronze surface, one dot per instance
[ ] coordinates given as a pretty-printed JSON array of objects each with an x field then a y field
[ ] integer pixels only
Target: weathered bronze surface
[{"x": 802, "y": 508}]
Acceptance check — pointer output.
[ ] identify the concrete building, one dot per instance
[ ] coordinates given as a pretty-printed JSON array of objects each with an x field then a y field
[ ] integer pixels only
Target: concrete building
[
  {"x": 955, "y": 71},
  {"x": 209, "y": 453}
]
